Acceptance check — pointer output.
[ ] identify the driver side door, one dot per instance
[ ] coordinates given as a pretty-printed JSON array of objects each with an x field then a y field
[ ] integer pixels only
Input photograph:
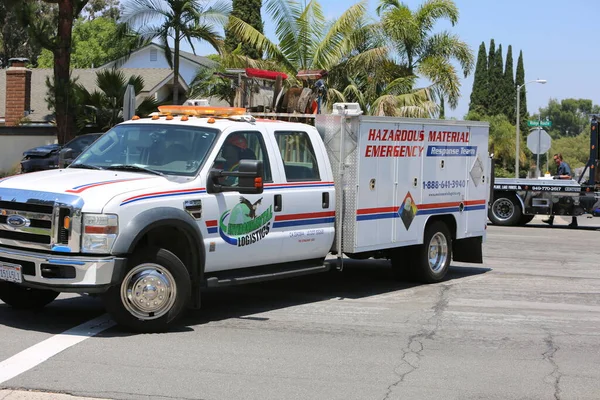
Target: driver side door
[{"x": 239, "y": 228}]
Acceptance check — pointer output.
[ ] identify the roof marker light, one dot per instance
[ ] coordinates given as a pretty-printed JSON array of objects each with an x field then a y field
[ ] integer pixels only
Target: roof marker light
[{"x": 201, "y": 110}]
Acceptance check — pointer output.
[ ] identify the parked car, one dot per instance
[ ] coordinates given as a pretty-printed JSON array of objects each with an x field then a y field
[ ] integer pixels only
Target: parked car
[{"x": 46, "y": 157}]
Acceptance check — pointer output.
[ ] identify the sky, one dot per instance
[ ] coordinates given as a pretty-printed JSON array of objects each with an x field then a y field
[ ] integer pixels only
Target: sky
[{"x": 557, "y": 39}]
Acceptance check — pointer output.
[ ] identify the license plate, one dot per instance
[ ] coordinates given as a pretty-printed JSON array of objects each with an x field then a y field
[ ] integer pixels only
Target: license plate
[{"x": 10, "y": 273}]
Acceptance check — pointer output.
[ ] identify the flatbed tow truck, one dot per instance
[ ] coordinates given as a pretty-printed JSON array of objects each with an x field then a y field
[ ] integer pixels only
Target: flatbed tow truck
[{"x": 516, "y": 202}]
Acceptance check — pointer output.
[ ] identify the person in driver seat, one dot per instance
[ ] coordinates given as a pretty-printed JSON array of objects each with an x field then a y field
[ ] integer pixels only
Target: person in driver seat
[{"x": 234, "y": 149}]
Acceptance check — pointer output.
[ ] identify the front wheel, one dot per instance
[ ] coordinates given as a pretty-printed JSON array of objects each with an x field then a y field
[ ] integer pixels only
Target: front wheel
[
  {"x": 431, "y": 260},
  {"x": 153, "y": 293},
  {"x": 505, "y": 210},
  {"x": 25, "y": 298}
]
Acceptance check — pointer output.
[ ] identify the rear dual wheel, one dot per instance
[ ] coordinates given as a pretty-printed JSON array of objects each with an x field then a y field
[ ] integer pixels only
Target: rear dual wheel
[
  {"x": 429, "y": 262},
  {"x": 505, "y": 210}
]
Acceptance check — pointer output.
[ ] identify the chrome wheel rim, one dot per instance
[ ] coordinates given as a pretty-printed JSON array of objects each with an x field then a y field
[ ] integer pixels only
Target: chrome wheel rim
[
  {"x": 503, "y": 209},
  {"x": 438, "y": 252},
  {"x": 148, "y": 291}
]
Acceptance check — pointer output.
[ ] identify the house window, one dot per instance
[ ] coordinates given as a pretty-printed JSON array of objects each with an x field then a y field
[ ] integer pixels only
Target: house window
[{"x": 153, "y": 54}]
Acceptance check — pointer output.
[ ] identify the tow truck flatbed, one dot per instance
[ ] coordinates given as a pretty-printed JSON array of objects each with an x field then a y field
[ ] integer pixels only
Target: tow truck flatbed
[{"x": 515, "y": 201}]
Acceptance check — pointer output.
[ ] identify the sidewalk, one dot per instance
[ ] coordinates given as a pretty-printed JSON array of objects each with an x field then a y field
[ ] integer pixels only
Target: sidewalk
[{"x": 28, "y": 395}]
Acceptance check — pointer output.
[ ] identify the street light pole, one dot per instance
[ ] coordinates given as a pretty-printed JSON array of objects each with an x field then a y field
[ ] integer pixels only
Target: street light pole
[{"x": 542, "y": 81}]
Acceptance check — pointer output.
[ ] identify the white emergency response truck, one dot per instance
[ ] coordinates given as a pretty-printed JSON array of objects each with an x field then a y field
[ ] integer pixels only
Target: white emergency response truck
[{"x": 158, "y": 208}]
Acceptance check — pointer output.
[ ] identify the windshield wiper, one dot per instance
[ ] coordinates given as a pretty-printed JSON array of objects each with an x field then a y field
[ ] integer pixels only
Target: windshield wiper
[
  {"x": 85, "y": 166},
  {"x": 130, "y": 167}
]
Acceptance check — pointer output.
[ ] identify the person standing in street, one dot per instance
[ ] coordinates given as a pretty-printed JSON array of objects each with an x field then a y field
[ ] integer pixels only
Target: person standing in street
[{"x": 563, "y": 172}]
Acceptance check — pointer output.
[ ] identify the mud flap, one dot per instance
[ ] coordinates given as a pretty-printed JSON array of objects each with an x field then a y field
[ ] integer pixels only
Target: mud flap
[{"x": 468, "y": 250}]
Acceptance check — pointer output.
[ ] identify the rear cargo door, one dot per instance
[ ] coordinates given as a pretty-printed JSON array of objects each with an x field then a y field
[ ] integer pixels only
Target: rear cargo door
[
  {"x": 389, "y": 170},
  {"x": 449, "y": 155},
  {"x": 478, "y": 176}
]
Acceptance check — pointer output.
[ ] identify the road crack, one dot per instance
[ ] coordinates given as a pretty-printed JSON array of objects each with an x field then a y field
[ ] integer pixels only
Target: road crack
[
  {"x": 411, "y": 354},
  {"x": 555, "y": 376}
]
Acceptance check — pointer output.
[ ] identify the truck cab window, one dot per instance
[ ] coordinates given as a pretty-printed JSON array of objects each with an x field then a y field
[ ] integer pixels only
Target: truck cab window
[
  {"x": 298, "y": 156},
  {"x": 242, "y": 146}
]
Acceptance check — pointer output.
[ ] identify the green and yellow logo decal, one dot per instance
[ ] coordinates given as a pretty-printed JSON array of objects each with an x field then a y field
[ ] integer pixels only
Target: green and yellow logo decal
[{"x": 241, "y": 225}]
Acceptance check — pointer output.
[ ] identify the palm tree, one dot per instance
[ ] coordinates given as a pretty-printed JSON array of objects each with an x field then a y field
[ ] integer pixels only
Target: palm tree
[
  {"x": 103, "y": 108},
  {"x": 376, "y": 81},
  {"x": 422, "y": 52},
  {"x": 178, "y": 20},
  {"x": 305, "y": 39}
]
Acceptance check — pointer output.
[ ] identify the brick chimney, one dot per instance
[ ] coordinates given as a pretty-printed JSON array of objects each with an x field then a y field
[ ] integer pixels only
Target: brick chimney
[{"x": 18, "y": 91}]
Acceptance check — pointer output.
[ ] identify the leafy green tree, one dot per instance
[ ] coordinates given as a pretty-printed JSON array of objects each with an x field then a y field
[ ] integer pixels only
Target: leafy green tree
[
  {"x": 479, "y": 94},
  {"x": 520, "y": 80},
  {"x": 422, "y": 52},
  {"x": 178, "y": 20},
  {"x": 95, "y": 42},
  {"x": 56, "y": 37},
  {"x": 575, "y": 149},
  {"x": 509, "y": 97},
  {"x": 103, "y": 8},
  {"x": 249, "y": 12},
  {"x": 503, "y": 142},
  {"x": 15, "y": 40},
  {"x": 570, "y": 117}
]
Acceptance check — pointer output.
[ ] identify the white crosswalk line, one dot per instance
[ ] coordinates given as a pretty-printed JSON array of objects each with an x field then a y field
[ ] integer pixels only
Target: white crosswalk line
[{"x": 37, "y": 354}]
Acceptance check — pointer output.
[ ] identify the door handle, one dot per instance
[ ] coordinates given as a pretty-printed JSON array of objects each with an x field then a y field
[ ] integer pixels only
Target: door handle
[
  {"x": 325, "y": 199},
  {"x": 277, "y": 203}
]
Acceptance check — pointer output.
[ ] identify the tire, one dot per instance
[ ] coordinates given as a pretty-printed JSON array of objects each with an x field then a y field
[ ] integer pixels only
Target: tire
[
  {"x": 431, "y": 260},
  {"x": 505, "y": 210},
  {"x": 24, "y": 298},
  {"x": 525, "y": 219},
  {"x": 160, "y": 270}
]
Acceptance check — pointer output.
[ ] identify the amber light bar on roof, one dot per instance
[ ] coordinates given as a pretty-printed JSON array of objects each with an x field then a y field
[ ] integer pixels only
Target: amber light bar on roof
[{"x": 201, "y": 110}]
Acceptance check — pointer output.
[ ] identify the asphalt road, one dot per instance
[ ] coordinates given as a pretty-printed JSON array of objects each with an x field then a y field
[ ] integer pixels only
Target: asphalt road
[{"x": 524, "y": 325}]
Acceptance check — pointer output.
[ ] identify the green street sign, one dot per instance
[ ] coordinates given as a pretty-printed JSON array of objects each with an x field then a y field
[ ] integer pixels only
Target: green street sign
[{"x": 539, "y": 123}]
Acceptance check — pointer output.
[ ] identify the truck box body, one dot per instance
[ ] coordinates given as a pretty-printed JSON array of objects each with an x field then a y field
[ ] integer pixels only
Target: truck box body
[{"x": 398, "y": 172}]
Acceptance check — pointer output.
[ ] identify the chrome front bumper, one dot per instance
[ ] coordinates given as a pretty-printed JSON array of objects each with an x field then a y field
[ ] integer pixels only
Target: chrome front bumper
[{"x": 77, "y": 274}]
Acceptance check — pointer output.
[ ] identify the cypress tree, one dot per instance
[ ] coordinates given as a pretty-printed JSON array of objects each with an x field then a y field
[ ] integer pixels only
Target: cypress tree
[
  {"x": 520, "y": 80},
  {"x": 491, "y": 92},
  {"x": 509, "y": 87},
  {"x": 496, "y": 83},
  {"x": 479, "y": 92},
  {"x": 249, "y": 12}
]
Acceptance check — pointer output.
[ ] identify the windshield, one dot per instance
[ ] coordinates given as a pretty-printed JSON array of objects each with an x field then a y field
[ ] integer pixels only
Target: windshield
[{"x": 168, "y": 149}]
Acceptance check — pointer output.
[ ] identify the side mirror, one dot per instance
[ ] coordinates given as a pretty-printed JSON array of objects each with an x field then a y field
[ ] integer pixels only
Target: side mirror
[
  {"x": 65, "y": 157},
  {"x": 249, "y": 178}
]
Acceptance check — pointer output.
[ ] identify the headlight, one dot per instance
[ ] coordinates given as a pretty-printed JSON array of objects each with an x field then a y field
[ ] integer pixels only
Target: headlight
[{"x": 99, "y": 233}]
